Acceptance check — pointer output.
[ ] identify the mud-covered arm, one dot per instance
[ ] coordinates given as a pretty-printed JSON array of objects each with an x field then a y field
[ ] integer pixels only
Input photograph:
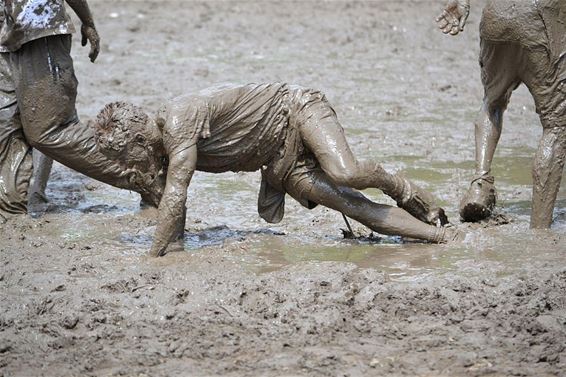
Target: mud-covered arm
[
  {"x": 88, "y": 30},
  {"x": 171, "y": 219},
  {"x": 454, "y": 16}
]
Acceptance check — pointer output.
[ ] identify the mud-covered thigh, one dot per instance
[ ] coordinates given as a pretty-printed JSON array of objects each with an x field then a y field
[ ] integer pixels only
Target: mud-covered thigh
[
  {"x": 46, "y": 85},
  {"x": 324, "y": 137},
  {"x": 545, "y": 76},
  {"x": 500, "y": 65}
]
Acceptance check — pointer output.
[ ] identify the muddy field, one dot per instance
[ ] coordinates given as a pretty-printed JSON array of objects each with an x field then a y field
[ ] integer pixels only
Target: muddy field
[{"x": 80, "y": 298}]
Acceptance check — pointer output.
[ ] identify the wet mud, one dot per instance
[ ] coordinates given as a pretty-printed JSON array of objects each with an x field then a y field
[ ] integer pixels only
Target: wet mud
[{"x": 80, "y": 296}]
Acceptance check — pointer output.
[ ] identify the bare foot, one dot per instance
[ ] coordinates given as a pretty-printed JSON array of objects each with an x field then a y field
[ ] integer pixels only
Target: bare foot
[{"x": 478, "y": 202}]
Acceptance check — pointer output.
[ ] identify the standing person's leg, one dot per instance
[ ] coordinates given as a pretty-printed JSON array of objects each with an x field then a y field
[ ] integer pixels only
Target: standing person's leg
[
  {"x": 41, "y": 169},
  {"x": 324, "y": 137},
  {"x": 545, "y": 76},
  {"x": 46, "y": 91},
  {"x": 15, "y": 153},
  {"x": 547, "y": 174},
  {"x": 315, "y": 186},
  {"x": 500, "y": 76}
]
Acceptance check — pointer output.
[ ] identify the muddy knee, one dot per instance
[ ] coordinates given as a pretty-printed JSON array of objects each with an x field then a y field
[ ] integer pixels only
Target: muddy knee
[{"x": 44, "y": 132}]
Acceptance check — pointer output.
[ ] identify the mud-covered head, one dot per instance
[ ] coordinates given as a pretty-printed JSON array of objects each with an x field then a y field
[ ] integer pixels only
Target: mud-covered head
[{"x": 125, "y": 133}]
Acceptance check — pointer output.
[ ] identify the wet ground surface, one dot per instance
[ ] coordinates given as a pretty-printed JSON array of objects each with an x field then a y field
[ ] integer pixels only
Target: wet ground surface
[{"x": 79, "y": 296}]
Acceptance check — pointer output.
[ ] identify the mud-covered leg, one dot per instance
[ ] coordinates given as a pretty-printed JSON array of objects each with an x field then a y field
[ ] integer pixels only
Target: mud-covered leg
[
  {"x": 545, "y": 76},
  {"x": 547, "y": 174},
  {"x": 319, "y": 188},
  {"x": 41, "y": 169},
  {"x": 324, "y": 136},
  {"x": 499, "y": 68},
  {"x": 15, "y": 152},
  {"x": 478, "y": 202}
]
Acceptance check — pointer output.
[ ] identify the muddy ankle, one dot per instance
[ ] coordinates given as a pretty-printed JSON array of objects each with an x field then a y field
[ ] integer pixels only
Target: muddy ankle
[
  {"x": 452, "y": 234},
  {"x": 421, "y": 204},
  {"x": 446, "y": 234},
  {"x": 400, "y": 189},
  {"x": 37, "y": 197}
]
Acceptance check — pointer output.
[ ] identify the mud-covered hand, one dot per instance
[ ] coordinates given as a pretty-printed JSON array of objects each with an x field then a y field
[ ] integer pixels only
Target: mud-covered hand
[
  {"x": 454, "y": 16},
  {"x": 88, "y": 31},
  {"x": 90, "y": 35}
]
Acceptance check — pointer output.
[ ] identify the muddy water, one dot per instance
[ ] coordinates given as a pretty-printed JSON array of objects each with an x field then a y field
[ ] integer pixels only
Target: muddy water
[
  {"x": 79, "y": 297},
  {"x": 268, "y": 248}
]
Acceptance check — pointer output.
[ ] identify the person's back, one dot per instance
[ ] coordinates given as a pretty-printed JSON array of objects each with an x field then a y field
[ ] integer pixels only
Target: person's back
[{"x": 236, "y": 127}]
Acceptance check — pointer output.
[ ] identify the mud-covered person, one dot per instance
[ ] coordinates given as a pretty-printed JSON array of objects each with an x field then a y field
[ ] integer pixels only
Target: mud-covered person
[
  {"x": 35, "y": 40},
  {"x": 289, "y": 133},
  {"x": 520, "y": 42}
]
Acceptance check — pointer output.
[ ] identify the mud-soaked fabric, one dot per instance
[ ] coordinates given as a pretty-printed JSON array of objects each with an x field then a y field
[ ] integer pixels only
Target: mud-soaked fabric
[
  {"x": 525, "y": 42},
  {"x": 15, "y": 153},
  {"x": 236, "y": 128},
  {"x": 46, "y": 90},
  {"x": 307, "y": 108},
  {"x": 27, "y": 20}
]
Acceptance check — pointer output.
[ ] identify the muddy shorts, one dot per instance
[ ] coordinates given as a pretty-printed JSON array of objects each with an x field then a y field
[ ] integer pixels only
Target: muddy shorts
[
  {"x": 293, "y": 170},
  {"x": 15, "y": 153},
  {"x": 525, "y": 42}
]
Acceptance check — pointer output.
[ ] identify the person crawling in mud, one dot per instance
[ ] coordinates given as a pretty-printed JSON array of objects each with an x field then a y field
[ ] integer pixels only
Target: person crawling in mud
[
  {"x": 520, "y": 42},
  {"x": 289, "y": 133}
]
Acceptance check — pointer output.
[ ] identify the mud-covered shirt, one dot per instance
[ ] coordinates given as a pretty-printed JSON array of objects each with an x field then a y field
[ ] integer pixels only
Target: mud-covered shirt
[
  {"x": 236, "y": 127},
  {"x": 27, "y": 20}
]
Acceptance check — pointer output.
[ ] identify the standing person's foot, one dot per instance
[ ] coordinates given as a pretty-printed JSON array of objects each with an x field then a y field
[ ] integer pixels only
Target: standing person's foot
[
  {"x": 37, "y": 202},
  {"x": 478, "y": 202}
]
